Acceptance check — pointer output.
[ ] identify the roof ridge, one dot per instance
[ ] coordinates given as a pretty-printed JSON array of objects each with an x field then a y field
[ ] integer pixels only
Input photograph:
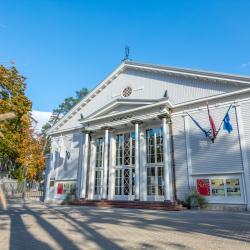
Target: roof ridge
[{"x": 191, "y": 70}]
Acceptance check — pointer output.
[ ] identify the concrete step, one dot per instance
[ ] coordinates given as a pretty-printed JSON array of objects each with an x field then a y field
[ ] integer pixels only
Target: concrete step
[{"x": 169, "y": 206}]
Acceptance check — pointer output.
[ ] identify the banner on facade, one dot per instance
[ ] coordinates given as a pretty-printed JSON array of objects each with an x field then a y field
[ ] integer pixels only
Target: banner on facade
[{"x": 203, "y": 187}]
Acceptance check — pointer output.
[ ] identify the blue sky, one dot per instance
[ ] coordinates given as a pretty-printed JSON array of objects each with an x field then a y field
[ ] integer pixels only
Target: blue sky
[{"x": 62, "y": 46}]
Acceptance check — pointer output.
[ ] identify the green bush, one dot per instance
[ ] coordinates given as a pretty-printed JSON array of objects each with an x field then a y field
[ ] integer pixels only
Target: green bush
[{"x": 196, "y": 200}]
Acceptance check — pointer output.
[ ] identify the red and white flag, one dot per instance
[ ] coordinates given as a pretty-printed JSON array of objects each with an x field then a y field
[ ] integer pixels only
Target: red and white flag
[{"x": 212, "y": 125}]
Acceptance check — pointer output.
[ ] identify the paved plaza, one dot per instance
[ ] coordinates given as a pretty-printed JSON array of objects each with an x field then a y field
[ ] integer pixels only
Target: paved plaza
[{"x": 33, "y": 225}]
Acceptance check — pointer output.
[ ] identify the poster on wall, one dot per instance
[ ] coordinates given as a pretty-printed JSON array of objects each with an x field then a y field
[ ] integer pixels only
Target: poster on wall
[
  {"x": 217, "y": 187},
  {"x": 60, "y": 188},
  {"x": 203, "y": 187},
  {"x": 233, "y": 187}
]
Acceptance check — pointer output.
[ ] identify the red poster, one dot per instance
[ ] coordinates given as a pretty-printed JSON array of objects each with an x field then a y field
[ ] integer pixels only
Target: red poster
[
  {"x": 60, "y": 188},
  {"x": 203, "y": 187}
]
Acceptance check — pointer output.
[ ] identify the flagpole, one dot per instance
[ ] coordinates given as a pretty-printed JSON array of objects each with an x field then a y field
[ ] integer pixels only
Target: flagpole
[{"x": 208, "y": 113}]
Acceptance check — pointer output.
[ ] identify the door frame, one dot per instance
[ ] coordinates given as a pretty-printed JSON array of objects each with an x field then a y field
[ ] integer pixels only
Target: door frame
[
  {"x": 98, "y": 196},
  {"x": 130, "y": 196},
  {"x": 155, "y": 197}
]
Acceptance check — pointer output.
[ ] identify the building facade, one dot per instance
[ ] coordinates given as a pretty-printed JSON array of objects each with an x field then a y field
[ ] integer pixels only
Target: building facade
[{"x": 133, "y": 138}]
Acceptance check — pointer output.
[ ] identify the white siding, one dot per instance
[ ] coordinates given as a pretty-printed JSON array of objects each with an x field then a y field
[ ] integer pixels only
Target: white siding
[
  {"x": 67, "y": 168},
  {"x": 179, "y": 89},
  {"x": 149, "y": 85},
  {"x": 245, "y": 109},
  {"x": 224, "y": 155},
  {"x": 181, "y": 173}
]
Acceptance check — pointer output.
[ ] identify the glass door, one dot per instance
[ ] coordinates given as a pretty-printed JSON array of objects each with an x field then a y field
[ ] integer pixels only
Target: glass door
[
  {"x": 155, "y": 183},
  {"x": 99, "y": 159},
  {"x": 124, "y": 184},
  {"x": 98, "y": 184}
]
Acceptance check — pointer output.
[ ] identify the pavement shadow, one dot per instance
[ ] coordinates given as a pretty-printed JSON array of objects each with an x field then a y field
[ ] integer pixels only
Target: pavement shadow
[
  {"x": 229, "y": 225},
  {"x": 20, "y": 237}
]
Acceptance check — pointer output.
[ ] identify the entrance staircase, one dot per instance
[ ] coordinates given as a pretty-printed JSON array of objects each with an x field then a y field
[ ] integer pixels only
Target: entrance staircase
[{"x": 168, "y": 206}]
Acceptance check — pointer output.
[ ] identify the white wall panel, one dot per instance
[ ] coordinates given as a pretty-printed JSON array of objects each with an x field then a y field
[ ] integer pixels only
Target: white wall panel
[
  {"x": 245, "y": 109},
  {"x": 224, "y": 155},
  {"x": 67, "y": 167},
  {"x": 181, "y": 172}
]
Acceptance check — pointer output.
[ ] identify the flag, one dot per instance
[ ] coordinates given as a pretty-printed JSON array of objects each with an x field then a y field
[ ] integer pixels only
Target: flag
[
  {"x": 198, "y": 125},
  {"x": 226, "y": 123},
  {"x": 212, "y": 125}
]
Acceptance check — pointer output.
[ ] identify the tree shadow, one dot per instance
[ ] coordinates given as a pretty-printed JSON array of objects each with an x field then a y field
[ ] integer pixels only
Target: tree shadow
[
  {"x": 87, "y": 221},
  {"x": 57, "y": 235},
  {"x": 20, "y": 237},
  {"x": 211, "y": 223},
  {"x": 88, "y": 231}
]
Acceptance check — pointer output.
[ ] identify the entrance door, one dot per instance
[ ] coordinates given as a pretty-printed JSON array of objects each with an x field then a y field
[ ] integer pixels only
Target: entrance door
[
  {"x": 124, "y": 184},
  {"x": 155, "y": 183},
  {"x": 99, "y": 160},
  {"x": 98, "y": 184}
]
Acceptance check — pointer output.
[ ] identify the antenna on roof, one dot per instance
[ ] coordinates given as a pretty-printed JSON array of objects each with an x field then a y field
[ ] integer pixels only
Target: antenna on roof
[{"x": 126, "y": 53}]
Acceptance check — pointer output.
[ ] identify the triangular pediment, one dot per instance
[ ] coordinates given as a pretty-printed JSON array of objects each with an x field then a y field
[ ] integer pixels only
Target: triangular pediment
[
  {"x": 147, "y": 84},
  {"x": 120, "y": 105}
]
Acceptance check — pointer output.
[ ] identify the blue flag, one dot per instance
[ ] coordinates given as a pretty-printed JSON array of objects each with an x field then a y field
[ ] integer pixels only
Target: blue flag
[{"x": 227, "y": 125}]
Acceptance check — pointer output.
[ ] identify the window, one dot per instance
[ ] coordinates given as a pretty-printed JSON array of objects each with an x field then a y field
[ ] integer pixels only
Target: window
[
  {"x": 125, "y": 149},
  {"x": 160, "y": 183},
  {"x": 133, "y": 181},
  {"x": 127, "y": 92},
  {"x": 98, "y": 182},
  {"x": 125, "y": 181},
  {"x": 118, "y": 182},
  {"x": 151, "y": 181},
  {"x": 51, "y": 184},
  {"x": 99, "y": 152},
  {"x": 154, "y": 140},
  {"x": 219, "y": 187},
  {"x": 155, "y": 181}
]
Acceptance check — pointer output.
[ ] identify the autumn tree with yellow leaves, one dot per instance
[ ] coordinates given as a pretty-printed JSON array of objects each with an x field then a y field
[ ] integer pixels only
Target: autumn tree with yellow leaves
[{"x": 21, "y": 153}]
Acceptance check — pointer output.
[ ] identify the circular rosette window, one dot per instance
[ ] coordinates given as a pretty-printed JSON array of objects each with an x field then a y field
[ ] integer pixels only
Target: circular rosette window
[{"x": 127, "y": 92}]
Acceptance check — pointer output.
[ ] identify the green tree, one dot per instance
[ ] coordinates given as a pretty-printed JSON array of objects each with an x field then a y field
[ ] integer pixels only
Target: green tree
[
  {"x": 64, "y": 108},
  {"x": 16, "y": 132}
]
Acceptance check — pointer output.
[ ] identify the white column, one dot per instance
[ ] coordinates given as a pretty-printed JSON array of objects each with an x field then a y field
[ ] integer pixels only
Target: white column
[
  {"x": 143, "y": 172},
  {"x": 168, "y": 189},
  {"x": 105, "y": 165},
  {"x": 243, "y": 154},
  {"x": 79, "y": 171},
  {"x": 84, "y": 166},
  {"x": 171, "y": 170},
  {"x": 56, "y": 157},
  {"x": 92, "y": 169},
  {"x": 49, "y": 166},
  {"x": 112, "y": 168},
  {"x": 137, "y": 166}
]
